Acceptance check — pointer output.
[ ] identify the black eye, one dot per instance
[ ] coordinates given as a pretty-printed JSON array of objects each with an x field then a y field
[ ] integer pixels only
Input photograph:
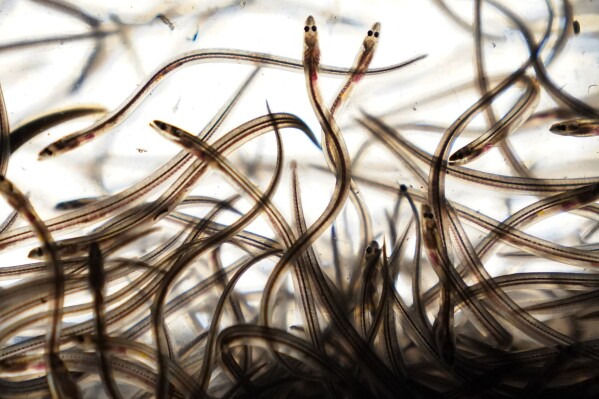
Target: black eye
[
  {"x": 403, "y": 187},
  {"x": 369, "y": 33},
  {"x": 314, "y": 29},
  {"x": 369, "y": 250},
  {"x": 376, "y": 34},
  {"x": 306, "y": 28}
]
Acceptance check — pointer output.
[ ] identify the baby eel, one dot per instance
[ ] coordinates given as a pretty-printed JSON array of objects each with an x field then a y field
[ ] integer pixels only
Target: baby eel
[
  {"x": 202, "y": 151},
  {"x": 5, "y": 149},
  {"x": 113, "y": 119},
  {"x": 132, "y": 195},
  {"x": 60, "y": 383},
  {"x": 335, "y": 144},
  {"x": 359, "y": 69},
  {"x": 97, "y": 283},
  {"x": 576, "y": 128},
  {"x": 517, "y": 115},
  {"x": 399, "y": 146},
  {"x": 303, "y": 242}
]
